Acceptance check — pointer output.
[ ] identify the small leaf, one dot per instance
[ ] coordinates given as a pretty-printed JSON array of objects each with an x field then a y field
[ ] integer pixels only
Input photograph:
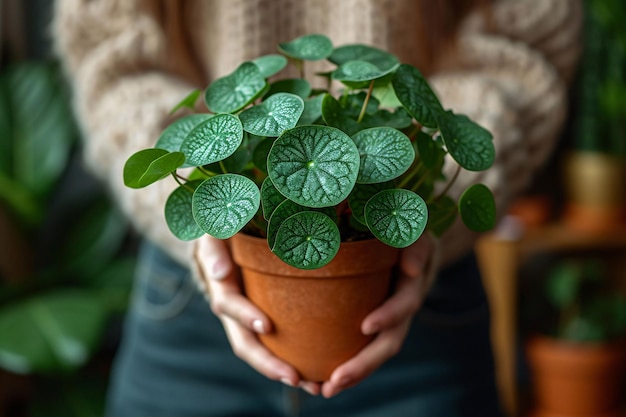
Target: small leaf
[
  {"x": 430, "y": 152},
  {"x": 236, "y": 90},
  {"x": 386, "y": 153},
  {"x": 396, "y": 217},
  {"x": 307, "y": 240},
  {"x": 150, "y": 165},
  {"x": 259, "y": 155},
  {"x": 270, "y": 198},
  {"x": 172, "y": 137},
  {"x": 384, "y": 61},
  {"x": 361, "y": 194},
  {"x": 478, "y": 208},
  {"x": 315, "y": 166},
  {"x": 213, "y": 140},
  {"x": 334, "y": 115},
  {"x": 309, "y": 47},
  {"x": 468, "y": 143},
  {"x": 312, "y": 110},
  {"x": 415, "y": 94},
  {"x": 188, "y": 102},
  {"x": 224, "y": 204},
  {"x": 386, "y": 96},
  {"x": 356, "y": 71},
  {"x": 297, "y": 86},
  {"x": 270, "y": 64},
  {"x": 179, "y": 213},
  {"x": 272, "y": 117},
  {"x": 441, "y": 215}
]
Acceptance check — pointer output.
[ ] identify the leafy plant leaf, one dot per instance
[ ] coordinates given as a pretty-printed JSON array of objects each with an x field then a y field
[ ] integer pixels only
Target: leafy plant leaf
[
  {"x": 315, "y": 166},
  {"x": 468, "y": 143},
  {"x": 189, "y": 101},
  {"x": 478, "y": 208},
  {"x": 272, "y": 117},
  {"x": 281, "y": 213},
  {"x": 270, "y": 64},
  {"x": 413, "y": 91},
  {"x": 297, "y": 86},
  {"x": 309, "y": 47},
  {"x": 399, "y": 119},
  {"x": 312, "y": 110},
  {"x": 334, "y": 115},
  {"x": 430, "y": 152},
  {"x": 179, "y": 212},
  {"x": 52, "y": 332},
  {"x": 213, "y": 140},
  {"x": 396, "y": 217},
  {"x": 356, "y": 71},
  {"x": 361, "y": 194},
  {"x": 172, "y": 137},
  {"x": 236, "y": 90},
  {"x": 386, "y": 153},
  {"x": 150, "y": 165},
  {"x": 259, "y": 155},
  {"x": 270, "y": 198},
  {"x": 384, "y": 61},
  {"x": 222, "y": 205},
  {"x": 307, "y": 240},
  {"x": 441, "y": 215},
  {"x": 353, "y": 103}
]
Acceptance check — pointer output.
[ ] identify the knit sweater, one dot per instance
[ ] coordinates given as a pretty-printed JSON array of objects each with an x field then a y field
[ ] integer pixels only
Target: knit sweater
[{"x": 511, "y": 78}]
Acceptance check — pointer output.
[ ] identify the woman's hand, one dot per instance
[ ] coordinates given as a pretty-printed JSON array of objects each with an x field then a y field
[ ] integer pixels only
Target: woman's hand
[
  {"x": 391, "y": 321},
  {"x": 241, "y": 319}
]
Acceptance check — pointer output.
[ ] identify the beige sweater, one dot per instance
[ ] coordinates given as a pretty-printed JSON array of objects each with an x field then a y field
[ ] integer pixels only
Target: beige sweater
[{"x": 511, "y": 79}]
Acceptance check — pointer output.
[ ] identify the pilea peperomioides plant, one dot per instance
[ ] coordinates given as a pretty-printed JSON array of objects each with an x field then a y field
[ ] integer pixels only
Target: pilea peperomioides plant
[{"x": 308, "y": 169}]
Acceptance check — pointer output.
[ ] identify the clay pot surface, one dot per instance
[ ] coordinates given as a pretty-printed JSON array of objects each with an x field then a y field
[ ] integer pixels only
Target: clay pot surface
[
  {"x": 570, "y": 379},
  {"x": 316, "y": 314}
]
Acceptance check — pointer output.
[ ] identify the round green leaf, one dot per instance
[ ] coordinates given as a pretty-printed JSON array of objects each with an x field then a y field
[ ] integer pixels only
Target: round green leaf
[
  {"x": 357, "y": 71},
  {"x": 386, "y": 153},
  {"x": 384, "y": 61},
  {"x": 222, "y": 205},
  {"x": 272, "y": 117},
  {"x": 213, "y": 140},
  {"x": 150, "y": 165},
  {"x": 270, "y": 64},
  {"x": 430, "y": 152},
  {"x": 478, "y": 208},
  {"x": 173, "y": 136},
  {"x": 307, "y": 240},
  {"x": 297, "y": 86},
  {"x": 396, "y": 217},
  {"x": 361, "y": 194},
  {"x": 312, "y": 110},
  {"x": 236, "y": 90},
  {"x": 309, "y": 47},
  {"x": 315, "y": 166},
  {"x": 441, "y": 215},
  {"x": 416, "y": 96},
  {"x": 281, "y": 213},
  {"x": 179, "y": 214},
  {"x": 469, "y": 144},
  {"x": 270, "y": 198}
]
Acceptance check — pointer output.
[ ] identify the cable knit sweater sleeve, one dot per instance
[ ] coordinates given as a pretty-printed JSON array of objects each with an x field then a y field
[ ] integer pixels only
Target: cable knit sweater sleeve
[{"x": 112, "y": 53}]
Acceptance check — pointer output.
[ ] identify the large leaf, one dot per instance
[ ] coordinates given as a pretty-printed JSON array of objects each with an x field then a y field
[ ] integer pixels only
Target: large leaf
[
  {"x": 478, "y": 208},
  {"x": 179, "y": 213},
  {"x": 275, "y": 115},
  {"x": 396, "y": 217},
  {"x": 173, "y": 136},
  {"x": 315, "y": 166},
  {"x": 150, "y": 165},
  {"x": 222, "y": 205},
  {"x": 468, "y": 143},
  {"x": 236, "y": 90},
  {"x": 386, "y": 153},
  {"x": 307, "y": 240},
  {"x": 270, "y": 64},
  {"x": 51, "y": 332},
  {"x": 213, "y": 140},
  {"x": 309, "y": 47},
  {"x": 415, "y": 94}
]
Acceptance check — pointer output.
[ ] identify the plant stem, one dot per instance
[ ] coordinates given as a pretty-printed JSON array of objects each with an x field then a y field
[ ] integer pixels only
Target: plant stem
[
  {"x": 414, "y": 131},
  {"x": 300, "y": 65},
  {"x": 207, "y": 173},
  {"x": 445, "y": 190},
  {"x": 177, "y": 179},
  {"x": 223, "y": 167},
  {"x": 365, "y": 102},
  {"x": 411, "y": 175}
]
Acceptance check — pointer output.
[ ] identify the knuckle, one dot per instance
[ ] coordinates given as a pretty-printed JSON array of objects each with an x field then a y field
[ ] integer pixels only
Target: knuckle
[{"x": 217, "y": 307}]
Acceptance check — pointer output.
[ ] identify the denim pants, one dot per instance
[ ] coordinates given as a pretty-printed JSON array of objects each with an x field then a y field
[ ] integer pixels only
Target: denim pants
[{"x": 175, "y": 360}]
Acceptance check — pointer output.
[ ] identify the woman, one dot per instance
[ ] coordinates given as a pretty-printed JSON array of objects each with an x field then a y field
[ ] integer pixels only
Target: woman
[{"x": 504, "y": 64}]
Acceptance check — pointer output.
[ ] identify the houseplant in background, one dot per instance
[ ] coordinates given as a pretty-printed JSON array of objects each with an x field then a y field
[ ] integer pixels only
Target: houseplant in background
[
  {"x": 578, "y": 365},
  {"x": 308, "y": 181},
  {"x": 595, "y": 170}
]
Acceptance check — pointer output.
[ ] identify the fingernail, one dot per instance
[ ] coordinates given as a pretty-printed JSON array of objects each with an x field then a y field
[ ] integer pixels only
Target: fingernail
[
  {"x": 258, "y": 327},
  {"x": 308, "y": 389},
  {"x": 219, "y": 269},
  {"x": 287, "y": 381}
]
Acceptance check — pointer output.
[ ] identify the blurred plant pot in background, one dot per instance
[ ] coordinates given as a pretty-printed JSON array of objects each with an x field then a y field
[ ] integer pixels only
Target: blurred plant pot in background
[
  {"x": 595, "y": 191},
  {"x": 576, "y": 379}
]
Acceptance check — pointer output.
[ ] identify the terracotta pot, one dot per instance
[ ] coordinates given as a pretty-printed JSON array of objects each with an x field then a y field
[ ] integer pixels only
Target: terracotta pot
[
  {"x": 317, "y": 314},
  {"x": 577, "y": 380},
  {"x": 595, "y": 191}
]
